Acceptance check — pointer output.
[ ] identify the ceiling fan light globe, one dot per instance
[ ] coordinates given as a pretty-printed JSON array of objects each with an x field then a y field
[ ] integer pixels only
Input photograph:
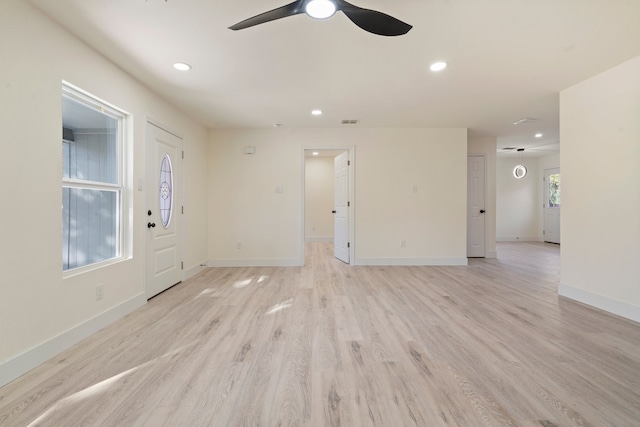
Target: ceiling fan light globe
[
  {"x": 320, "y": 9},
  {"x": 438, "y": 66}
]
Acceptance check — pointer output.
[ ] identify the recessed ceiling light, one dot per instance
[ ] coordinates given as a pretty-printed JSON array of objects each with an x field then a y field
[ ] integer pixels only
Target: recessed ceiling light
[
  {"x": 438, "y": 66},
  {"x": 315, "y": 153},
  {"x": 538, "y": 135},
  {"x": 277, "y": 125},
  {"x": 316, "y": 112},
  {"x": 320, "y": 9},
  {"x": 181, "y": 66}
]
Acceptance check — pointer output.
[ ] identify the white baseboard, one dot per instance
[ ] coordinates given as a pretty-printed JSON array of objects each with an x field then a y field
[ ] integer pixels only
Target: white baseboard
[
  {"x": 195, "y": 270},
  {"x": 518, "y": 239},
  {"x": 285, "y": 262},
  {"x": 619, "y": 308},
  {"x": 411, "y": 261},
  {"x": 23, "y": 363},
  {"x": 319, "y": 239}
]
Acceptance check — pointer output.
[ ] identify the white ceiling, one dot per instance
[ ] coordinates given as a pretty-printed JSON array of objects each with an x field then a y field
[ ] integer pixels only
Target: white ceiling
[
  {"x": 323, "y": 153},
  {"x": 508, "y": 60}
]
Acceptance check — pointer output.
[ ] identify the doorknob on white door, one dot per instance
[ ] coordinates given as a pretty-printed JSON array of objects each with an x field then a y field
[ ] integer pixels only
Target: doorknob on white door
[{"x": 482, "y": 211}]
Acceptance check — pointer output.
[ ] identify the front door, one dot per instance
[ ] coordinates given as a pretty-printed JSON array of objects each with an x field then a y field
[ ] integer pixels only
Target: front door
[
  {"x": 552, "y": 205},
  {"x": 341, "y": 213},
  {"x": 163, "y": 210},
  {"x": 475, "y": 207}
]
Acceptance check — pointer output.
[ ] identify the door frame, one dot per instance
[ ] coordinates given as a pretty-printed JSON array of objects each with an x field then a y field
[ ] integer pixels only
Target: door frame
[
  {"x": 144, "y": 187},
  {"x": 545, "y": 203},
  {"x": 351, "y": 150}
]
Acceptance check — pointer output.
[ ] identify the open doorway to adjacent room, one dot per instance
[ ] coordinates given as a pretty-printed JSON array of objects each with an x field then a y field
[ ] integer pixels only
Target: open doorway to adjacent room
[{"x": 328, "y": 201}]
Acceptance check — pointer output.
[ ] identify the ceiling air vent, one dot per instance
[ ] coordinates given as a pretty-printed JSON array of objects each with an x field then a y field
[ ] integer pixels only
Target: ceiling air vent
[
  {"x": 349, "y": 122},
  {"x": 525, "y": 121}
]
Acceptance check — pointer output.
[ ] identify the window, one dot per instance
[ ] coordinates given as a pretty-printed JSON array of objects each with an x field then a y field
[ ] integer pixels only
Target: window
[
  {"x": 92, "y": 180},
  {"x": 166, "y": 190},
  {"x": 554, "y": 190}
]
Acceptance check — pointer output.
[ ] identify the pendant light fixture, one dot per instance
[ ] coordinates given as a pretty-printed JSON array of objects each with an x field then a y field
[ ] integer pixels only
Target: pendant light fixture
[{"x": 520, "y": 171}]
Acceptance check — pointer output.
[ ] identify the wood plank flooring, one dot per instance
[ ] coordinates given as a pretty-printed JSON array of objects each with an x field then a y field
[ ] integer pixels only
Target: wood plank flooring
[{"x": 327, "y": 344}]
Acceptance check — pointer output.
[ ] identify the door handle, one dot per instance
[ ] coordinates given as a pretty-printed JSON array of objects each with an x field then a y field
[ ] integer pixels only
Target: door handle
[
  {"x": 333, "y": 211},
  {"x": 151, "y": 225},
  {"x": 482, "y": 211}
]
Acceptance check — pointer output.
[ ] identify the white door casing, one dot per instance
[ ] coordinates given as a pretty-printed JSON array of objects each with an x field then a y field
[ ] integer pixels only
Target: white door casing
[
  {"x": 163, "y": 214},
  {"x": 475, "y": 207},
  {"x": 341, "y": 206},
  {"x": 551, "y": 207}
]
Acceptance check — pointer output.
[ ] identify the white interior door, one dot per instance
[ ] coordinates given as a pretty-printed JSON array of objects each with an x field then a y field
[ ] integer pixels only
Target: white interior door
[
  {"x": 164, "y": 210},
  {"x": 341, "y": 213},
  {"x": 552, "y": 205},
  {"x": 475, "y": 207}
]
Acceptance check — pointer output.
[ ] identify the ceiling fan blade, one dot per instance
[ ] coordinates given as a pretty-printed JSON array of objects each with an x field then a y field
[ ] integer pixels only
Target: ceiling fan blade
[
  {"x": 373, "y": 21},
  {"x": 282, "y": 12}
]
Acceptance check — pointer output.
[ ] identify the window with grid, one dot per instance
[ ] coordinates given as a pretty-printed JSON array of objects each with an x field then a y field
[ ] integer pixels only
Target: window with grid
[{"x": 92, "y": 180}]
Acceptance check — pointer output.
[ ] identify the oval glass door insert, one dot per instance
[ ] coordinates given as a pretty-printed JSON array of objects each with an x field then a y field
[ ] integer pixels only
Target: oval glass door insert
[{"x": 166, "y": 190}]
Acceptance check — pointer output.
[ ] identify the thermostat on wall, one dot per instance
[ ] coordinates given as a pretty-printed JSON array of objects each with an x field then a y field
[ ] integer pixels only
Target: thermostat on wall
[{"x": 249, "y": 149}]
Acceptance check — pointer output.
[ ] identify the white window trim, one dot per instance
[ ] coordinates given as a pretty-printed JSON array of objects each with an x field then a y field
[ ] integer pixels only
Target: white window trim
[{"x": 124, "y": 220}]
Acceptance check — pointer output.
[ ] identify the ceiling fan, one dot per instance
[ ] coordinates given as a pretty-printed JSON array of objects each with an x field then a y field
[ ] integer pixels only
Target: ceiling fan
[{"x": 369, "y": 20}]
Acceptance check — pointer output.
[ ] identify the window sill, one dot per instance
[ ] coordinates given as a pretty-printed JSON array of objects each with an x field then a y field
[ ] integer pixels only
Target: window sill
[{"x": 93, "y": 267}]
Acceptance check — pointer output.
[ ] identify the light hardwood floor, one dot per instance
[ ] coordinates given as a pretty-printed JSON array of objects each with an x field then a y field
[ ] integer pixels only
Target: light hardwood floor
[{"x": 490, "y": 344}]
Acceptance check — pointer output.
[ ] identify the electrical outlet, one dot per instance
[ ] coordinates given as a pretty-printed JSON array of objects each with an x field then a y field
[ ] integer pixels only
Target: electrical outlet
[
  {"x": 99, "y": 292},
  {"x": 403, "y": 243},
  {"x": 239, "y": 245}
]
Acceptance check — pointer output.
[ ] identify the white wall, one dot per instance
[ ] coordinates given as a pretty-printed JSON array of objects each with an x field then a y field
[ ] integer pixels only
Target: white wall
[
  {"x": 519, "y": 202},
  {"x": 486, "y": 146},
  {"x": 600, "y": 134},
  {"x": 318, "y": 202},
  {"x": 388, "y": 163},
  {"x": 517, "y": 206},
  {"x": 550, "y": 161},
  {"x": 40, "y": 312}
]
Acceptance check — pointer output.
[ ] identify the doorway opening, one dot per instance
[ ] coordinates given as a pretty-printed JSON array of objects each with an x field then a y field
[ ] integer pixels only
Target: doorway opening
[
  {"x": 328, "y": 202},
  {"x": 551, "y": 231}
]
